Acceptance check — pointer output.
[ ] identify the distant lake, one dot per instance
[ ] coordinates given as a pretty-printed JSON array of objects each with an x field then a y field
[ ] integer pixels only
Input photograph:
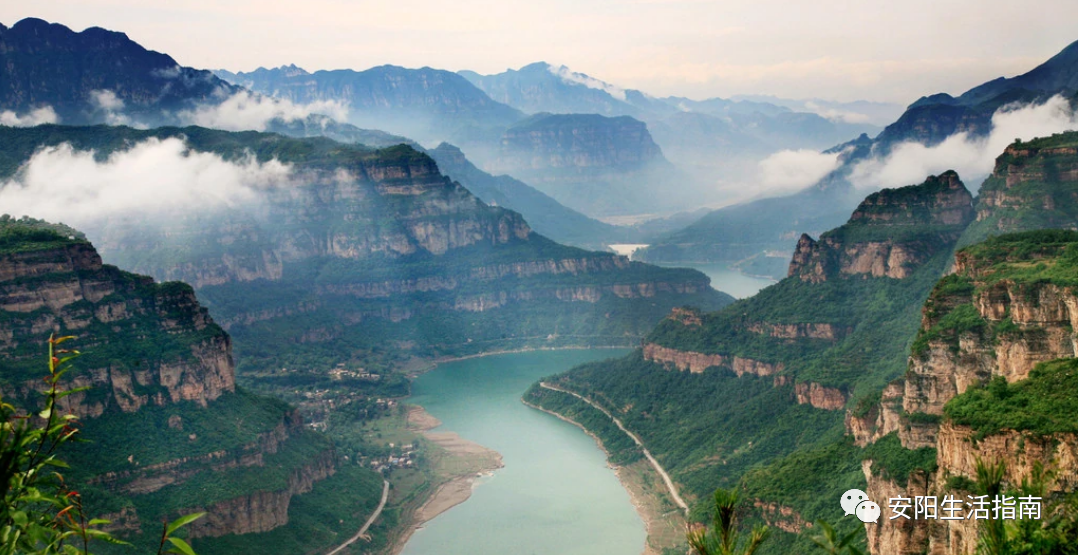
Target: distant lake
[
  {"x": 729, "y": 280},
  {"x": 556, "y": 494}
]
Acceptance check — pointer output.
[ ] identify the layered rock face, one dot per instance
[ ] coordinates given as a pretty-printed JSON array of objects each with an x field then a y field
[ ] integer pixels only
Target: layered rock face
[
  {"x": 1007, "y": 308},
  {"x": 360, "y": 236},
  {"x": 162, "y": 413},
  {"x": 1031, "y": 187},
  {"x": 60, "y": 286},
  {"x": 923, "y": 220}
]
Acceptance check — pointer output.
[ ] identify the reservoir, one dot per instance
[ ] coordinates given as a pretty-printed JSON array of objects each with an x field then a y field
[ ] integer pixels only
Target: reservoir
[{"x": 556, "y": 494}]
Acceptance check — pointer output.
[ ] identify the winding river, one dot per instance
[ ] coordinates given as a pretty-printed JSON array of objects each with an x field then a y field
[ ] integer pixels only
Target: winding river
[{"x": 555, "y": 496}]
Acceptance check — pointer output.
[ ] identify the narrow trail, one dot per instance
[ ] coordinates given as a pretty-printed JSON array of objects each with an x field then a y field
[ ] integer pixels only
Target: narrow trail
[
  {"x": 367, "y": 525},
  {"x": 654, "y": 463}
]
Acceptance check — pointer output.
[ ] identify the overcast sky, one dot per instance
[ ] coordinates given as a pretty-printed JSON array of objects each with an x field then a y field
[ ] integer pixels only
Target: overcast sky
[{"x": 834, "y": 49}]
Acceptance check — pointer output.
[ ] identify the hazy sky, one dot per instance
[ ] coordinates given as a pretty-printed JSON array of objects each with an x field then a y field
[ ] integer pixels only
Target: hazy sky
[{"x": 836, "y": 49}]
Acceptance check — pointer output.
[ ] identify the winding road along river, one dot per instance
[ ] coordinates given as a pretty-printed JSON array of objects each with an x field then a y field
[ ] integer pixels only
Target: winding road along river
[{"x": 555, "y": 496}]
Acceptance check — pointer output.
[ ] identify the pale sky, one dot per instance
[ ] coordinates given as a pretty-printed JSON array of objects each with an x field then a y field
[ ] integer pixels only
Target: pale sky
[{"x": 833, "y": 49}]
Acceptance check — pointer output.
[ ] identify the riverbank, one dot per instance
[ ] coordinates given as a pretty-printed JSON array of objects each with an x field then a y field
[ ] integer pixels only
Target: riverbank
[
  {"x": 663, "y": 520},
  {"x": 461, "y": 464}
]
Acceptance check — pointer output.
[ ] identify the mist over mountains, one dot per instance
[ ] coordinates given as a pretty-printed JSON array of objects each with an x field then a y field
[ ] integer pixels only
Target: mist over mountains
[{"x": 323, "y": 236}]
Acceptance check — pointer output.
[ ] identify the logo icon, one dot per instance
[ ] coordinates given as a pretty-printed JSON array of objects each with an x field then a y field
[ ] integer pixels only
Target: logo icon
[
  {"x": 867, "y": 511},
  {"x": 850, "y": 499}
]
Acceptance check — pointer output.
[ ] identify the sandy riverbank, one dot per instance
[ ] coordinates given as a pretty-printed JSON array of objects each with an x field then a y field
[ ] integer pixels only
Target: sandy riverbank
[
  {"x": 663, "y": 521},
  {"x": 464, "y": 462}
]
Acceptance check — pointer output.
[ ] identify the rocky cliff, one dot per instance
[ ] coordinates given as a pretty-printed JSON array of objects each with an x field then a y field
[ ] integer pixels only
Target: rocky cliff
[
  {"x": 1008, "y": 309},
  {"x": 1031, "y": 187},
  {"x": 890, "y": 234},
  {"x": 51, "y": 282},
  {"x": 168, "y": 430}
]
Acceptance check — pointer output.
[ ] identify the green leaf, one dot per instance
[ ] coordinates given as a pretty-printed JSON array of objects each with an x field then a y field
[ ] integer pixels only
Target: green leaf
[
  {"x": 181, "y": 546},
  {"x": 182, "y": 521}
]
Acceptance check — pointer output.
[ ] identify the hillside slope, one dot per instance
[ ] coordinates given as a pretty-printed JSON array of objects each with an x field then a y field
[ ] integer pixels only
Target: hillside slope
[
  {"x": 168, "y": 431},
  {"x": 767, "y": 379}
]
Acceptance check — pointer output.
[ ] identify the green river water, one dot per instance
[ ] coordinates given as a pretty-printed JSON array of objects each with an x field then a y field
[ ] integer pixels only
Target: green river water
[{"x": 555, "y": 496}]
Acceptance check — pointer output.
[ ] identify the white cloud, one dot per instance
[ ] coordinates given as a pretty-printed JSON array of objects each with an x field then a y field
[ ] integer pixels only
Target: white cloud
[
  {"x": 38, "y": 116},
  {"x": 153, "y": 178},
  {"x": 111, "y": 105},
  {"x": 246, "y": 111},
  {"x": 971, "y": 157},
  {"x": 107, "y": 100},
  {"x": 570, "y": 76},
  {"x": 789, "y": 170}
]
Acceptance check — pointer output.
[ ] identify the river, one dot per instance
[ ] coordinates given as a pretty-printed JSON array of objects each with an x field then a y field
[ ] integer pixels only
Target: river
[
  {"x": 555, "y": 496},
  {"x": 729, "y": 280}
]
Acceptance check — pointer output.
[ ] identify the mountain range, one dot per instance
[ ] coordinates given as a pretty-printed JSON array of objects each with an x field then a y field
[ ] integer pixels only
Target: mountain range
[{"x": 732, "y": 233}]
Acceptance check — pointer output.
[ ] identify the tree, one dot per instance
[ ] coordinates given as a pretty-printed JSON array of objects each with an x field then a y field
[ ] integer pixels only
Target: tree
[
  {"x": 39, "y": 513},
  {"x": 829, "y": 542},
  {"x": 1053, "y": 534},
  {"x": 724, "y": 538}
]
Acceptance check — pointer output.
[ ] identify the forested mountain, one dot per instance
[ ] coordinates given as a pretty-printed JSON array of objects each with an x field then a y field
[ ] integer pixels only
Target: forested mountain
[
  {"x": 366, "y": 247},
  {"x": 168, "y": 432},
  {"x": 755, "y": 395},
  {"x": 715, "y": 395}
]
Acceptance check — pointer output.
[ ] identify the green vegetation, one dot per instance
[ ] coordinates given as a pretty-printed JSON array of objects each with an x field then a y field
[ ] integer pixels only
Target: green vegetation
[
  {"x": 39, "y": 513},
  {"x": 326, "y": 516},
  {"x": 27, "y": 234},
  {"x": 705, "y": 429},
  {"x": 807, "y": 480},
  {"x": 724, "y": 538},
  {"x": 1032, "y": 258},
  {"x": 1042, "y": 404},
  {"x": 894, "y": 462},
  {"x": 868, "y": 314},
  {"x": 1034, "y": 192},
  {"x": 155, "y": 434}
]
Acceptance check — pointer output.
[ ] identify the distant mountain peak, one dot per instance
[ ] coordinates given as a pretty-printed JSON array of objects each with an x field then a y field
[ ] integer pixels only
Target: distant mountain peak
[
  {"x": 571, "y": 77},
  {"x": 292, "y": 70}
]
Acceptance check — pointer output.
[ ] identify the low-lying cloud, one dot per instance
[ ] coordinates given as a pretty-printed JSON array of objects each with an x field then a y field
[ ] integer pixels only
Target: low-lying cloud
[
  {"x": 972, "y": 157},
  {"x": 245, "y": 111},
  {"x": 110, "y": 105},
  {"x": 38, "y": 116},
  {"x": 154, "y": 178},
  {"x": 571, "y": 76},
  {"x": 790, "y": 170}
]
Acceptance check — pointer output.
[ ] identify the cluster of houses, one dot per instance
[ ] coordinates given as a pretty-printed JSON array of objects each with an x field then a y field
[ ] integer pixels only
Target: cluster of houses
[
  {"x": 405, "y": 459},
  {"x": 341, "y": 372}
]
